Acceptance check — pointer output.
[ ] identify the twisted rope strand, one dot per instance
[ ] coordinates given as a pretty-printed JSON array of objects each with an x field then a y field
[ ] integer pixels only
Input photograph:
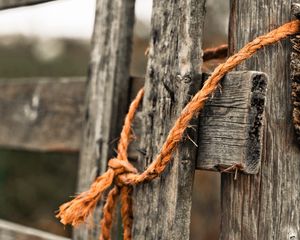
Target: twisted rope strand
[
  {"x": 120, "y": 170},
  {"x": 126, "y": 211},
  {"x": 108, "y": 212}
]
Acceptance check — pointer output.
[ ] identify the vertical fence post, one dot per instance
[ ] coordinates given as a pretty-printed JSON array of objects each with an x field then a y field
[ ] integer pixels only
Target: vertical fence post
[
  {"x": 267, "y": 205},
  {"x": 162, "y": 207},
  {"x": 106, "y": 94}
]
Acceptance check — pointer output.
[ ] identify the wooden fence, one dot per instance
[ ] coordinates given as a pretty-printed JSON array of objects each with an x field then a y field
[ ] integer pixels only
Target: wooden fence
[{"x": 261, "y": 201}]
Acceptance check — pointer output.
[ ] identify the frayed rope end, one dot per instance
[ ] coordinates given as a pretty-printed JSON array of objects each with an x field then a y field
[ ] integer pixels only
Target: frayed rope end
[{"x": 76, "y": 211}]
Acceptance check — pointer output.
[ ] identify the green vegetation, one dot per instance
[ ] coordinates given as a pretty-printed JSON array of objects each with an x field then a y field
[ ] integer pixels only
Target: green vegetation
[{"x": 21, "y": 57}]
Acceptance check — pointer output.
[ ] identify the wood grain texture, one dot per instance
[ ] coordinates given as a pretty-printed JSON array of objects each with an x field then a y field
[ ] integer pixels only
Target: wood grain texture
[
  {"x": 6, "y": 4},
  {"x": 162, "y": 207},
  {"x": 266, "y": 205},
  {"x": 41, "y": 114},
  {"x": 106, "y": 94},
  {"x": 12, "y": 231},
  {"x": 231, "y": 124}
]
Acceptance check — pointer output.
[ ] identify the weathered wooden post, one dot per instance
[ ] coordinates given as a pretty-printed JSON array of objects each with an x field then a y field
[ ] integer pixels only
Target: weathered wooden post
[
  {"x": 162, "y": 207},
  {"x": 267, "y": 205},
  {"x": 106, "y": 93}
]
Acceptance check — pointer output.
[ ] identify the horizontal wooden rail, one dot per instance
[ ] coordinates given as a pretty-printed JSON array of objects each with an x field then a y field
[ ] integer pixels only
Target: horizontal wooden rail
[
  {"x": 46, "y": 115},
  {"x": 9, "y": 230},
  {"x": 41, "y": 114},
  {"x": 6, "y": 4}
]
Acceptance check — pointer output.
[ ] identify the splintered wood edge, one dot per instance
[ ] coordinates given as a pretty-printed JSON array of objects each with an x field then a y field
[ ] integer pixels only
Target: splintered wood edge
[{"x": 249, "y": 158}]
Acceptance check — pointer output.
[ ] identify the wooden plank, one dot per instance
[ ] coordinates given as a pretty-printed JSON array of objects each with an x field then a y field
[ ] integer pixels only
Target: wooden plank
[
  {"x": 162, "y": 207},
  {"x": 42, "y": 114},
  {"x": 6, "y": 4},
  {"x": 106, "y": 94},
  {"x": 231, "y": 124},
  {"x": 266, "y": 205},
  {"x": 12, "y": 231}
]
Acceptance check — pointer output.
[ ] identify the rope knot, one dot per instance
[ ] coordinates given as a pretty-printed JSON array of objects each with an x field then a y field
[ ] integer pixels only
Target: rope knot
[{"x": 121, "y": 167}]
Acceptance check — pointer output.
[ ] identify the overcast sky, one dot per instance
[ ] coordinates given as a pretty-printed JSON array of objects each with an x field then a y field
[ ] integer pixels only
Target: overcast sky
[{"x": 62, "y": 18}]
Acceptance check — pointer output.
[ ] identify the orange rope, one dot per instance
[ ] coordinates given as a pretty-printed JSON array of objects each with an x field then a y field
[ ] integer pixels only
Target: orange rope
[
  {"x": 108, "y": 212},
  {"x": 123, "y": 173}
]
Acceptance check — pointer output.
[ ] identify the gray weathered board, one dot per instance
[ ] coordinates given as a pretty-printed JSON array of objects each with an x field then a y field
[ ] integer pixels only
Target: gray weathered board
[
  {"x": 35, "y": 120},
  {"x": 173, "y": 75},
  {"x": 41, "y": 114},
  {"x": 12, "y": 231},
  {"x": 44, "y": 114},
  {"x": 6, "y": 4}
]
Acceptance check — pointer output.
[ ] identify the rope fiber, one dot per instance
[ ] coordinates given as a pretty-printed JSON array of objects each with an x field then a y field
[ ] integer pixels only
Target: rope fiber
[{"x": 121, "y": 175}]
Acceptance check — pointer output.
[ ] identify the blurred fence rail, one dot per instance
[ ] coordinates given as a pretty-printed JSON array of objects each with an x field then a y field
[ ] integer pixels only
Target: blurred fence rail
[
  {"x": 6, "y": 4},
  {"x": 41, "y": 114},
  {"x": 44, "y": 114},
  {"x": 10, "y": 230}
]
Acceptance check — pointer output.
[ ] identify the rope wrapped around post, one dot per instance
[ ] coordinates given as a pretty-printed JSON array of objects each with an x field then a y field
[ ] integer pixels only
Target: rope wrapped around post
[{"x": 123, "y": 175}]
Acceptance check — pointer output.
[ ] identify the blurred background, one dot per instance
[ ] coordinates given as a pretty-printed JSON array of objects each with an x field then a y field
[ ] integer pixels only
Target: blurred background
[{"x": 53, "y": 40}]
